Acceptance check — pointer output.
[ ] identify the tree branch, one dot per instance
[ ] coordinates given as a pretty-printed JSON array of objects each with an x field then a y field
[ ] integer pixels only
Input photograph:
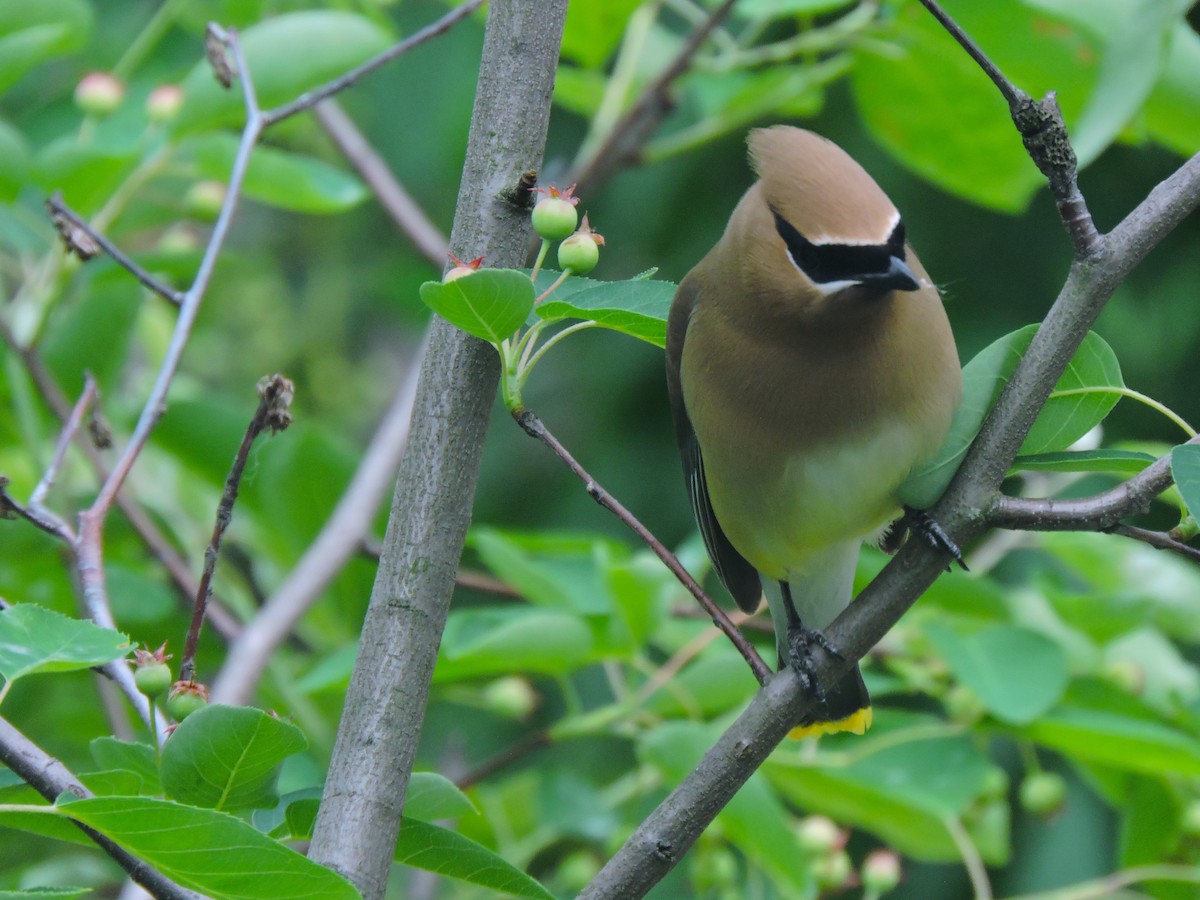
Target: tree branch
[
  {"x": 395, "y": 200},
  {"x": 356, "y": 827},
  {"x": 49, "y": 777},
  {"x": 535, "y": 428}
]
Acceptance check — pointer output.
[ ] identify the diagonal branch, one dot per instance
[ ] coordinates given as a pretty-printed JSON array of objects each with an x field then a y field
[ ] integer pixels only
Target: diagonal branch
[{"x": 535, "y": 428}]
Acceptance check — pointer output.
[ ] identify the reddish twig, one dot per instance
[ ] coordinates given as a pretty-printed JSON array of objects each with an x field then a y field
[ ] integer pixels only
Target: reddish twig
[
  {"x": 66, "y": 435},
  {"x": 275, "y": 398},
  {"x": 536, "y": 428}
]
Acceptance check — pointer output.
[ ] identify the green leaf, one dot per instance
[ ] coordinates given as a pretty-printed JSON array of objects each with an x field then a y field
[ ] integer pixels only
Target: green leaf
[
  {"x": 1099, "y": 723},
  {"x": 1064, "y": 419},
  {"x": 1172, "y": 113},
  {"x": 900, "y": 789},
  {"x": 35, "y": 639},
  {"x": 1122, "y": 462},
  {"x": 435, "y": 849},
  {"x": 448, "y": 853},
  {"x": 934, "y": 110},
  {"x": 207, "y": 851},
  {"x": 1129, "y": 70},
  {"x": 593, "y": 30},
  {"x": 1017, "y": 673},
  {"x": 1150, "y": 824},
  {"x": 434, "y": 796},
  {"x": 228, "y": 757},
  {"x": 110, "y": 753},
  {"x": 490, "y": 304},
  {"x": 638, "y": 308},
  {"x": 49, "y": 826},
  {"x": 556, "y": 575},
  {"x": 518, "y": 639},
  {"x": 1069, "y": 414},
  {"x": 1185, "y": 467},
  {"x": 287, "y": 56},
  {"x": 14, "y": 162},
  {"x": 715, "y": 683},
  {"x": 278, "y": 178},
  {"x": 31, "y": 33}
]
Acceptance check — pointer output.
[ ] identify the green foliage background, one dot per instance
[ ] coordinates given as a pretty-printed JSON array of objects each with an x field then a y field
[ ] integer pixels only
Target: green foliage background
[{"x": 1073, "y": 653}]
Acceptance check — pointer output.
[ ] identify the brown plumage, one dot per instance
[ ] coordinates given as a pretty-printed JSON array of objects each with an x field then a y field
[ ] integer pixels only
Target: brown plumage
[{"x": 811, "y": 368}]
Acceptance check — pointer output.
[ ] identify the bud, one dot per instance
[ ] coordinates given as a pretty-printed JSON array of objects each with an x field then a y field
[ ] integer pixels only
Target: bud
[
  {"x": 99, "y": 94},
  {"x": 833, "y": 871},
  {"x": 819, "y": 835},
  {"x": 461, "y": 269},
  {"x": 881, "y": 871},
  {"x": 1043, "y": 793},
  {"x": 963, "y": 705},
  {"x": 164, "y": 103},
  {"x": 511, "y": 696},
  {"x": 204, "y": 200}
]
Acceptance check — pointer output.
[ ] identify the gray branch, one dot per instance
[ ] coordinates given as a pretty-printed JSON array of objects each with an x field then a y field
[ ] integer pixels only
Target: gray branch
[{"x": 377, "y": 738}]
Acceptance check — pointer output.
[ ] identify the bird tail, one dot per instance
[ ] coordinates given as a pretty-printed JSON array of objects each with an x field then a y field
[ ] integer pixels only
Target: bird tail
[{"x": 847, "y": 707}]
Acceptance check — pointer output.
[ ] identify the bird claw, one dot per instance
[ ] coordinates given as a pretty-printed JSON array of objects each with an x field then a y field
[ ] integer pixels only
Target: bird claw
[
  {"x": 801, "y": 640},
  {"x": 923, "y": 524}
]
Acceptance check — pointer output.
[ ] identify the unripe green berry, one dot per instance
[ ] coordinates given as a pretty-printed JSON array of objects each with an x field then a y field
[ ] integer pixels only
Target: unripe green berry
[
  {"x": 511, "y": 696},
  {"x": 577, "y": 870},
  {"x": 995, "y": 784},
  {"x": 152, "y": 679},
  {"x": 833, "y": 871},
  {"x": 1042, "y": 793},
  {"x": 204, "y": 199},
  {"x": 713, "y": 867},
  {"x": 99, "y": 93},
  {"x": 1190, "y": 823},
  {"x": 1126, "y": 674},
  {"x": 881, "y": 871},
  {"x": 963, "y": 705},
  {"x": 186, "y": 697},
  {"x": 818, "y": 835},
  {"x": 164, "y": 103},
  {"x": 579, "y": 253},
  {"x": 554, "y": 218}
]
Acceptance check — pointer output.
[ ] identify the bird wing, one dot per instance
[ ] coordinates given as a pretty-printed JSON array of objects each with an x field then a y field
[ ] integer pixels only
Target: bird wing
[{"x": 736, "y": 573}]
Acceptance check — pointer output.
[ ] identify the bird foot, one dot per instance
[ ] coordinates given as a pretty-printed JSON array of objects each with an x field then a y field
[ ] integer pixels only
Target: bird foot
[
  {"x": 921, "y": 523},
  {"x": 801, "y": 640}
]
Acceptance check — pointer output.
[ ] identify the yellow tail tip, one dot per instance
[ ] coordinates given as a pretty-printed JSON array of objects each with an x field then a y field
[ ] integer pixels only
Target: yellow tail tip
[{"x": 856, "y": 723}]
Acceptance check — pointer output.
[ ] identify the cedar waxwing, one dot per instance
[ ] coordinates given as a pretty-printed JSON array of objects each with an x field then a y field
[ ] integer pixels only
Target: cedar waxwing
[{"x": 811, "y": 368}]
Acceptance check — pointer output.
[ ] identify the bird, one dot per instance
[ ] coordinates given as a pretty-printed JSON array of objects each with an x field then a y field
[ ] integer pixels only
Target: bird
[{"x": 811, "y": 368}]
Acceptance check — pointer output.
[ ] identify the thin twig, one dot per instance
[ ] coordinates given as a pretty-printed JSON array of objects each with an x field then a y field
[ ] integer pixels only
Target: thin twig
[
  {"x": 624, "y": 142},
  {"x": 340, "y": 538},
  {"x": 536, "y": 428},
  {"x": 1096, "y": 513},
  {"x": 149, "y": 533},
  {"x": 35, "y": 516},
  {"x": 316, "y": 95},
  {"x": 1111, "y": 885},
  {"x": 395, "y": 200},
  {"x": 504, "y": 759},
  {"x": 275, "y": 399},
  {"x": 973, "y": 862},
  {"x": 65, "y": 436},
  {"x": 1159, "y": 540},
  {"x": 59, "y": 208}
]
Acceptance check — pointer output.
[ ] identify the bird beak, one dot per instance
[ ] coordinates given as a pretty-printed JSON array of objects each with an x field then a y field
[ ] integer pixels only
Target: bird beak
[{"x": 898, "y": 277}]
